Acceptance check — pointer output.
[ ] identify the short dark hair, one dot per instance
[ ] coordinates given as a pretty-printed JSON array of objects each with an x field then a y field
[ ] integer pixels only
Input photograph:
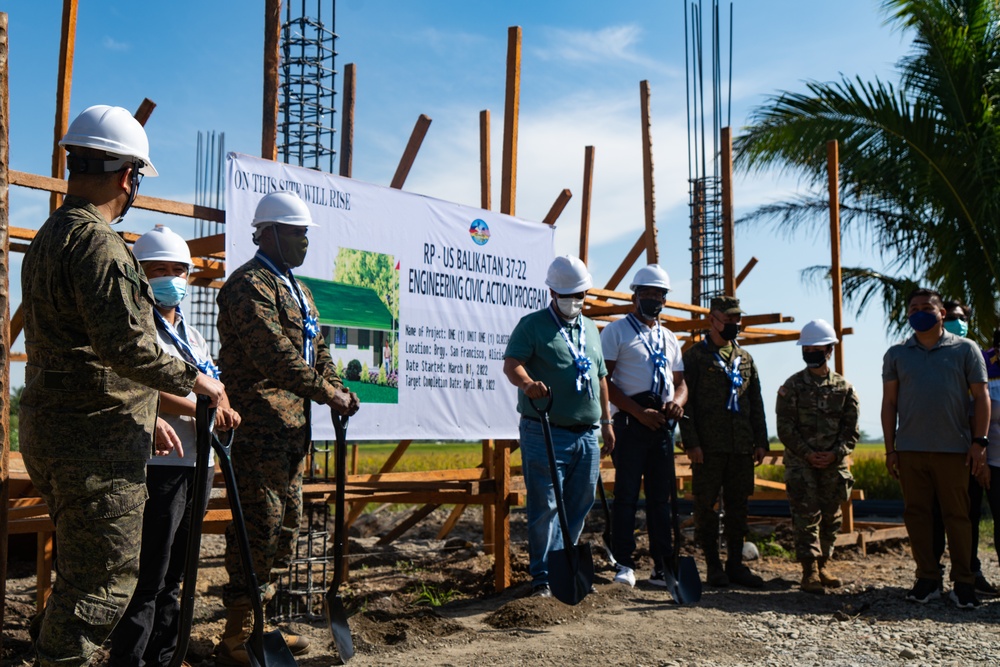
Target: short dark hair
[
  {"x": 934, "y": 295},
  {"x": 951, "y": 305}
]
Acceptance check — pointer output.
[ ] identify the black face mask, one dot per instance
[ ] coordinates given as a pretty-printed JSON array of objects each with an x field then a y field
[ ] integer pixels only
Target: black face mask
[
  {"x": 730, "y": 330},
  {"x": 814, "y": 358},
  {"x": 650, "y": 308}
]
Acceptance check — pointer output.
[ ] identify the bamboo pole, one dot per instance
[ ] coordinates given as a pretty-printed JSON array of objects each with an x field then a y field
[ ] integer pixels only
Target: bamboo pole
[
  {"x": 833, "y": 176},
  {"x": 410, "y": 152},
  {"x": 272, "y": 56},
  {"x": 728, "y": 236},
  {"x": 5, "y": 313},
  {"x": 484, "y": 161},
  {"x": 512, "y": 103},
  {"x": 588, "y": 183},
  {"x": 648, "y": 197},
  {"x": 347, "y": 122},
  {"x": 64, "y": 86}
]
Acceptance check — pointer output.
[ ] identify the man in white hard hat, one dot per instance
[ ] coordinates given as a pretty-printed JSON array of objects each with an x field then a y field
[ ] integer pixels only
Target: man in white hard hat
[
  {"x": 557, "y": 350},
  {"x": 88, "y": 412},
  {"x": 648, "y": 392},
  {"x": 147, "y": 634},
  {"x": 276, "y": 364},
  {"x": 817, "y": 413}
]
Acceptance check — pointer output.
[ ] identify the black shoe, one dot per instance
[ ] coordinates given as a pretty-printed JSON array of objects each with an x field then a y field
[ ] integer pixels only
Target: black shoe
[
  {"x": 541, "y": 591},
  {"x": 984, "y": 587},
  {"x": 924, "y": 591},
  {"x": 742, "y": 576},
  {"x": 716, "y": 576},
  {"x": 964, "y": 596},
  {"x": 657, "y": 578}
]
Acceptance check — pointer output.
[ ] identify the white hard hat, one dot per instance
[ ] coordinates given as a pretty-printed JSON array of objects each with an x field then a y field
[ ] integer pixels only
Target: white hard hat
[
  {"x": 283, "y": 208},
  {"x": 161, "y": 245},
  {"x": 652, "y": 275},
  {"x": 817, "y": 332},
  {"x": 115, "y": 131},
  {"x": 568, "y": 275}
]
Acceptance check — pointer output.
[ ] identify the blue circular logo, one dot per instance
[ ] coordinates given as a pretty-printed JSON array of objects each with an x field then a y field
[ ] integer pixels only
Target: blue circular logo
[{"x": 479, "y": 231}]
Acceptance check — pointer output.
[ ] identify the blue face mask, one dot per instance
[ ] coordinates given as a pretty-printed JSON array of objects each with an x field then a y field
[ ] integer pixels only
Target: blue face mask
[
  {"x": 168, "y": 291},
  {"x": 957, "y": 327},
  {"x": 923, "y": 320}
]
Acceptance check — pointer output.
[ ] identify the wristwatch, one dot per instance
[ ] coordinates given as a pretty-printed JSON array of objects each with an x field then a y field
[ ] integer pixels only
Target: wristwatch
[{"x": 982, "y": 442}]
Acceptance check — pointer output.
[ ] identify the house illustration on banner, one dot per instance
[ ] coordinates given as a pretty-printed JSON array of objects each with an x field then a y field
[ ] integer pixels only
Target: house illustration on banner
[{"x": 354, "y": 321}]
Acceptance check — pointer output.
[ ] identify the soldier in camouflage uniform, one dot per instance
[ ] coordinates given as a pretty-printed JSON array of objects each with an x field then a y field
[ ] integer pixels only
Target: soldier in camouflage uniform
[
  {"x": 818, "y": 424},
  {"x": 88, "y": 412},
  {"x": 724, "y": 435},
  {"x": 274, "y": 360}
]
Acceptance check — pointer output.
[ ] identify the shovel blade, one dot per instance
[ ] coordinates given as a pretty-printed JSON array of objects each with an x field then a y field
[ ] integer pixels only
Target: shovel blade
[
  {"x": 571, "y": 573},
  {"x": 275, "y": 652},
  {"x": 688, "y": 580},
  {"x": 341, "y": 631}
]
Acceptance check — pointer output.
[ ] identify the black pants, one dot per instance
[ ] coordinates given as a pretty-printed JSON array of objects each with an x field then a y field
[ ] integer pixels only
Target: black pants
[
  {"x": 641, "y": 457},
  {"x": 147, "y": 634},
  {"x": 975, "y": 515}
]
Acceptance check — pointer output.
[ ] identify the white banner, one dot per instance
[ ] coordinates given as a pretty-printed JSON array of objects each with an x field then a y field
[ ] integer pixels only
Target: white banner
[{"x": 416, "y": 297}]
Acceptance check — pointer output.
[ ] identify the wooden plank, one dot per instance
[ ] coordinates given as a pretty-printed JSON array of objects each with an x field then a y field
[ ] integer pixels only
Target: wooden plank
[
  {"x": 167, "y": 206},
  {"x": 64, "y": 89},
  {"x": 501, "y": 516},
  {"x": 557, "y": 207},
  {"x": 627, "y": 263},
  {"x": 5, "y": 337},
  {"x": 487, "y": 465},
  {"x": 511, "y": 111},
  {"x": 208, "y": 246},
  {"x": 410, "y": 152},
  {"x": 347, "y": 120},
  {"x": 449, "y": 524},
  {"x": 354, "y": 458},
  {"x": 272, "y": 56},
  {"x": 648, "y": 197},
  {"x": 728, "y": 223},
  {"x": 484, "y": 160},
  {"x": 609, "y": 293},
  {"x": 833, "y": 186},
  {"x": 144, "y": 111},
  {"x": 415, "y": 517},
  {"x": 390, "y": 463},
  {"x": 43, "y": 569},
  {"x": 588, "y": 184},
  {"x": 746, "y": 271}
]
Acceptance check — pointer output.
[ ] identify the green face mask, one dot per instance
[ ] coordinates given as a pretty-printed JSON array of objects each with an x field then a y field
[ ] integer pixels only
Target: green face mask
[{"x": 292, "y": 249}]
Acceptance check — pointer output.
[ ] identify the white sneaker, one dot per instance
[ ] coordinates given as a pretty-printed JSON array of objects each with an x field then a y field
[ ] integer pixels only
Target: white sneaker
[{"x": 626, "y": 575}]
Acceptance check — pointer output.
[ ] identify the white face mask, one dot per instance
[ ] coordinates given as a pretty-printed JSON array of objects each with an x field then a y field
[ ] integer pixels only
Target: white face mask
[{"x": 569, "y": 308}]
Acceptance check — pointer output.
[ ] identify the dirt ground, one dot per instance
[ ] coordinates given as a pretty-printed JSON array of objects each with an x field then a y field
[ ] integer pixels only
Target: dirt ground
[{"x": 423, "y": 601}]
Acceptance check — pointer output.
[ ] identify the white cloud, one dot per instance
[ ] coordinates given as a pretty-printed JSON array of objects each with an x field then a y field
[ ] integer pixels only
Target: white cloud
[
  {"x": 113, "y": 44},
  {"x": 614, "y": 44}
]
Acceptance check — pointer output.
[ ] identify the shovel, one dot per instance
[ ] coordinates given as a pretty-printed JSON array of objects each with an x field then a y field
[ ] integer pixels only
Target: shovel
[
  {"x": 263, "y": 649},
  {"x": 683, "y": 581},
  {"x": 204, "y": 418},
  {"x": 572, "y": 584},
  {"x": 607, "y": 523},
  {"x": 336, "y": 615}
]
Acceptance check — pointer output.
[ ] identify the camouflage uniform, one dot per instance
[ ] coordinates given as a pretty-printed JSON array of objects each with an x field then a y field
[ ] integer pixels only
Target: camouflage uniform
[
  {"x": 727, "y": 439},
  {"x": 87, "y": 417},
  {"x": 267, "y": 380},
  {"x": 817, "y": 414}
]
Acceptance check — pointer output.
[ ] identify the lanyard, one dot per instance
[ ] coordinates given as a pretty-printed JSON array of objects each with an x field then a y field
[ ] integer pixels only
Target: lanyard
[
  {"x": 179, "y": 337},
  {"x": 580, "y": 359},
  {"x": 657, "y": 352},
  {"x": 735, "y": 379},
  {"x": 310, "y": 327}
]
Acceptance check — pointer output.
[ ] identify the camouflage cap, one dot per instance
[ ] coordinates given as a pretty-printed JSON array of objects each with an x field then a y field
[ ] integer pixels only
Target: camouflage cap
[{"x": 727, "y": 305}]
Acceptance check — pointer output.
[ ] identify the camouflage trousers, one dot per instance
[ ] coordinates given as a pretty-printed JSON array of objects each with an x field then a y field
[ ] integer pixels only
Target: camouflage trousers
[
  {"x": 269, "y": 478},
  {"x": 97, "y": 510},
  {"x": 731, "y": 476},
  {"x": 815, "y": 496}
]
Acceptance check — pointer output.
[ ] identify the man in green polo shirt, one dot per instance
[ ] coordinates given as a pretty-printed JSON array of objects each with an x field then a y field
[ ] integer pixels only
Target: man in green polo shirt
[{"x": 558, "y": 350}]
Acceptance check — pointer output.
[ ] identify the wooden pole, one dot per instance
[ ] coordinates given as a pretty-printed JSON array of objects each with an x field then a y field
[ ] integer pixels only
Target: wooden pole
[
  {"x": 64, "y": 85},
  {"x": 272, "y": 56},
  {"x": 485, "y": 177},
  {"x": 5, "y": 313},
  {"x": 728, "y": 236},
  {"x": 648, "y": 198},
  {"x": 833, "y": 176},
  {"x": 144, "y": 111},
  {"x": 627, "y": 263},
  {"x": 347, "y": 122},
  {"x": 488, "y": 514},
  {"x": 501, "y": 516},
  {"x": 557, "y": 207},
  {"x": 512, "y": 103},
  {"x": 746, "y": 271},
  {"x": 410, "y": 152},
  {"x": 588, "y": 184}
]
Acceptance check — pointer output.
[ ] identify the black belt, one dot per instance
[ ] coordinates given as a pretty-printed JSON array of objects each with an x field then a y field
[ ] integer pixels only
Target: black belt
[{"x": 576, "y": 428}]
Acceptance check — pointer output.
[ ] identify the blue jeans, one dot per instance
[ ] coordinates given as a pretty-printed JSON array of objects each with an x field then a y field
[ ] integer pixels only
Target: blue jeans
[
  {"x": 578, "y": 458},
  {"x": 645, "y": 457}
]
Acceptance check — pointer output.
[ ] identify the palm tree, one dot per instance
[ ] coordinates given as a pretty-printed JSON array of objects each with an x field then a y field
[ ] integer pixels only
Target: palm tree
[{"x": 920, "y": 159}]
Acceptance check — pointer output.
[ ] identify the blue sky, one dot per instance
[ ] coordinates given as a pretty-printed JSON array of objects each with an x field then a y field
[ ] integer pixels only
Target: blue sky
[{"x": 582, "y": 62}]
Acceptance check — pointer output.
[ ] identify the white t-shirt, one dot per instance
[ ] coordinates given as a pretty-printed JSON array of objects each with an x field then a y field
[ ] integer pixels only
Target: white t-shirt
[
  {"x": 633, "y": 362},
  {"x": 183, "y": 425}
]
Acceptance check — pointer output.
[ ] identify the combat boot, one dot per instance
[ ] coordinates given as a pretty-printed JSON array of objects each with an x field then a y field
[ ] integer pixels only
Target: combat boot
[
  {"x": 739, "y": 573},
  {"x": 810, "y": 578},
  {"x": 232, "y": 650},
  {"x": 826, "y": 577},
  {"x": 716, "y": 576}
]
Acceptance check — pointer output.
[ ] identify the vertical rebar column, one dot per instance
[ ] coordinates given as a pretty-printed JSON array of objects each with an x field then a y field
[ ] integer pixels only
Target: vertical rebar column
[{"x": 208, "y": 191}]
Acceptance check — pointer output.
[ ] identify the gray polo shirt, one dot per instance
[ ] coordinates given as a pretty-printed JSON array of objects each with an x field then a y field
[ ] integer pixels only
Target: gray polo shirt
[{"x": 933, "y": 402}]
